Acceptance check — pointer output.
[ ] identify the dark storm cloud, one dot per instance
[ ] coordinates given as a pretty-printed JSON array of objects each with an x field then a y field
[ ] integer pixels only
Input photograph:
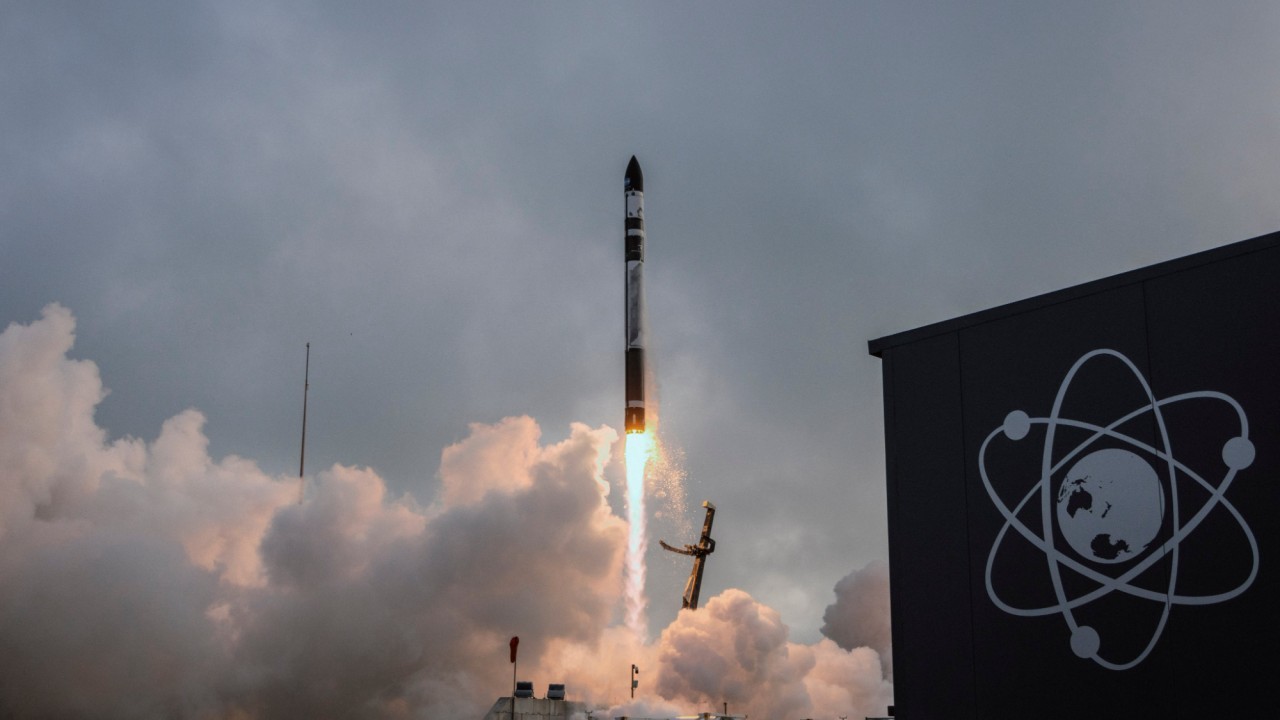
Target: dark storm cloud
[{"x": 431, "y": 196}]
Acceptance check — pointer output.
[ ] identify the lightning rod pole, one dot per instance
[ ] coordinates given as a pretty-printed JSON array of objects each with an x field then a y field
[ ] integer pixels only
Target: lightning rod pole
[{"x": 302, "y": 454}]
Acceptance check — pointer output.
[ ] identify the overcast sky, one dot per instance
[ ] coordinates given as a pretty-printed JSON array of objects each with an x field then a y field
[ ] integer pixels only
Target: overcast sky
[{"x": 431, "y": 194}]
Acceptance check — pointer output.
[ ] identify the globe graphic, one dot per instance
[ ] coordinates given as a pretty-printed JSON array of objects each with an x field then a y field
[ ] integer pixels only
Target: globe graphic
[{"x": 1110, "y": 506}]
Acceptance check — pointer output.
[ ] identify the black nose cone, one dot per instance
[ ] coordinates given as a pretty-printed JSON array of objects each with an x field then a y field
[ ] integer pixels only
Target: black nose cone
[{"x": 635, "y": 178}]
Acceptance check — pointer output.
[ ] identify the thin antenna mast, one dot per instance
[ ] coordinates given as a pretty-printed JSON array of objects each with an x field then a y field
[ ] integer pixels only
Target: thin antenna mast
[{"x": 302, "y": 454}]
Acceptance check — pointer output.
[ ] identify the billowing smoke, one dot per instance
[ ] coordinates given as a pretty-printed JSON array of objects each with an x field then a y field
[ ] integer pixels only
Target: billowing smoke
[
  {"x": 860, "y": 615},
  {"x": 736, "y": 650},
  {"x": 145, "y": 579}
]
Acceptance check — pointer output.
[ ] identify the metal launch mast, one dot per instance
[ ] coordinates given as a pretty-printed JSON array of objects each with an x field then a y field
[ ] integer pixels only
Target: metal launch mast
[{"x": 699, "y": 552}]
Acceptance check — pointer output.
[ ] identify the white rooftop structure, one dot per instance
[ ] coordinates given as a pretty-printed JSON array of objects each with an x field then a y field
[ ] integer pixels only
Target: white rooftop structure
[{"x": 509, "y": 708}]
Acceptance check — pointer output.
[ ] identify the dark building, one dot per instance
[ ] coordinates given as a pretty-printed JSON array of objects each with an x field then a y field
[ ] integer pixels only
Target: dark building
[{"x": 1084, "y": 498}]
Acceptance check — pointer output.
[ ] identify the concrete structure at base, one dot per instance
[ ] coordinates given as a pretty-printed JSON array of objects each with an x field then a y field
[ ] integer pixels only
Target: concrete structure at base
[
  {"x": 547, "y": 709},
  {"x": 535, "y": 709},
  {"x": 699, "y": 716}
]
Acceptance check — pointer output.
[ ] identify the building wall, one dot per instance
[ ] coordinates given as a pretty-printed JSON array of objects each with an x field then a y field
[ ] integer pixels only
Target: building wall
[{"x": 1151, "y": 594}]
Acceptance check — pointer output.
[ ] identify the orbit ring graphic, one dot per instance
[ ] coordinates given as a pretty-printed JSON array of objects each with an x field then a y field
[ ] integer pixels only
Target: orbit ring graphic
[{"x": 1237, "y": 454}]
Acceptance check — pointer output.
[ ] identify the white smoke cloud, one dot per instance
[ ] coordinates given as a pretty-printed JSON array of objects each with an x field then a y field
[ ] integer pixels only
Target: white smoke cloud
[
  {"x": 114, "y": 557},
  {"x": 860, "y": 615},
  {"x": 144, "y": 579},
  {"x": 733, "y": 650},
  {"x": 737, "y": 650}
]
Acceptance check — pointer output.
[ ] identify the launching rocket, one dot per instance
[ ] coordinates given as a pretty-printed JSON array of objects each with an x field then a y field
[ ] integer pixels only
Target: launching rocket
[{"x": 634, "y": 224}]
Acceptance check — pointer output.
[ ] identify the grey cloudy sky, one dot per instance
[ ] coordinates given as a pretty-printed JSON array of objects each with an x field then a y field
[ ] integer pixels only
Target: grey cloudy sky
[{"x": 431, "y": 194}]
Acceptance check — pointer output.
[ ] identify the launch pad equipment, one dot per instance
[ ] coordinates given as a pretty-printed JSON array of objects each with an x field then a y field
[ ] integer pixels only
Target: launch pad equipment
[{"x": 699, "y": 552}]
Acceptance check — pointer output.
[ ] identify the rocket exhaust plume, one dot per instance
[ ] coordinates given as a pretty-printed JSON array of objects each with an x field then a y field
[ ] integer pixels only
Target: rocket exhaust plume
[
  {"x": 638, "y": 450},
  {"x": 639, "y": 444}
]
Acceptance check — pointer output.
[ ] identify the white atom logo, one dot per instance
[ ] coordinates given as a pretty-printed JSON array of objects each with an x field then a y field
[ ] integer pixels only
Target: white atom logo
[{"x": 1110, "y": 507}]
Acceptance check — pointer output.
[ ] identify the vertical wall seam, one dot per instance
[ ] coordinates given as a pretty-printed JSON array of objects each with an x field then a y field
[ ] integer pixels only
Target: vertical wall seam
[{"x": 968, "y": 529}]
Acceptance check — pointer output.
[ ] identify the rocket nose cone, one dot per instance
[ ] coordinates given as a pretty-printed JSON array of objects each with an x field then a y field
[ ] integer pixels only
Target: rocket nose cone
[{"x": 635, "y": 178}]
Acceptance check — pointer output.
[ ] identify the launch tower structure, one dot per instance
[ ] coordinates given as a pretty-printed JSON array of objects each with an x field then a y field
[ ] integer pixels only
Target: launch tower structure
[{"x": 699, "y": 552}]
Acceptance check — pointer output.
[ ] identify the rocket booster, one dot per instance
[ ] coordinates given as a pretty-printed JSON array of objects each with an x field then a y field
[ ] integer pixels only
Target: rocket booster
[{"x": 633, "y": 186}]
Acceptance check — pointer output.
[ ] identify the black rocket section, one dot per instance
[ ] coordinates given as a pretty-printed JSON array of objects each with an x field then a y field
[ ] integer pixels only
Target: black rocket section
[
  {"x": 635, "y": 178},
  {"x": 633, "y": 191}
]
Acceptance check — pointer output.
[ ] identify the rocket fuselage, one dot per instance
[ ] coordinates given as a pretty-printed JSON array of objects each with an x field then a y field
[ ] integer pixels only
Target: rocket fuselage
[{"x": 634, "y": 251}]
